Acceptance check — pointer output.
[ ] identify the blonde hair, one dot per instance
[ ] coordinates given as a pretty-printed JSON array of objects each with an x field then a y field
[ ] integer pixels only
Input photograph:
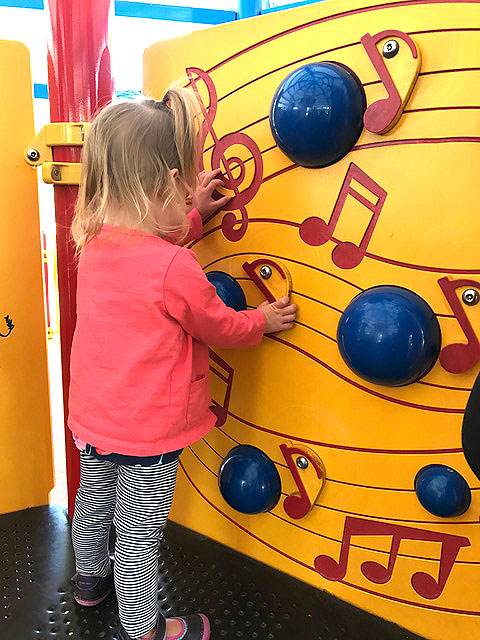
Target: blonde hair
[{"x": 127, "y": 158}]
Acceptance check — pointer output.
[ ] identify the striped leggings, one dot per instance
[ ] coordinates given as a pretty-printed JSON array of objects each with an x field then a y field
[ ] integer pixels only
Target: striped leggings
[{"x": 137, "y": 500}]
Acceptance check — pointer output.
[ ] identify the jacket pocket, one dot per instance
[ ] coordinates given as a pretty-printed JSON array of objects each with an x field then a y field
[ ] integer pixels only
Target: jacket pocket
[{"x": 198, "y": 399}]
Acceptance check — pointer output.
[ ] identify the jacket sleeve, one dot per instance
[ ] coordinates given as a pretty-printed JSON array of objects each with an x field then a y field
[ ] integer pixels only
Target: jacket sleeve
[
  {"x": 193, "y": 302},
  {"x": 196, "y": 227}
]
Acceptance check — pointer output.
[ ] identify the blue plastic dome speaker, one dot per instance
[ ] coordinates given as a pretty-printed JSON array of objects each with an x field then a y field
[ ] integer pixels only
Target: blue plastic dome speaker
[
  {"x": 316, "y": 115},
  {"x": 389, "y": 336},
  {"x": 249, "y": 481},
  {"x": 228, "y": 290},
  {"x": 442, "y": 491}
]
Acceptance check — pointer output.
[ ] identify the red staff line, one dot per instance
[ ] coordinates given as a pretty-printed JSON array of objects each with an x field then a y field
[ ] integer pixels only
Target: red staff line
[
  {"x": 431, "y": 73},
  {"x": 341, "y": 447},
  {"x": 443, "y": 386},
  {"x": 388, "y": 143},
  {"x": 306, "y": 566},
  {"x": 303, "y": 295},
  {"x": 346, "y": 46},
  {"x": 440, "y": 109},
  {"x": 227, "y": 435},
  {"x": 288, "y": 64},
  {"x": 397, "y": 263},
  {"x": 343, "y": 14},
  {"x": 361, "y": 387},
  {"x": 369, "y": 145},
  {"x": 272, "y": 255},
  {"x": 381, "y": 143},
  {"x": 301, "y": 324}
]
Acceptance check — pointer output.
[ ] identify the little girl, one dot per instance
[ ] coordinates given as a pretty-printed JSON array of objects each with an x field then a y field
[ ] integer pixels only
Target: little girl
[{"x": 139, "y": 365}]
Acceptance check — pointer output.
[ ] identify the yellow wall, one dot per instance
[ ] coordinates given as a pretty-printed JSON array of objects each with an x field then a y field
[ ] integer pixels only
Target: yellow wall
[
  {"x": 372, "y": 445},
  {"x": 26, "y": 473}
]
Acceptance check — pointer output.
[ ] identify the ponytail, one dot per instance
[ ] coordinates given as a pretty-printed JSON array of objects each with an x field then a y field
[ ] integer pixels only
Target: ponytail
[{"x": 186, "y": 117}]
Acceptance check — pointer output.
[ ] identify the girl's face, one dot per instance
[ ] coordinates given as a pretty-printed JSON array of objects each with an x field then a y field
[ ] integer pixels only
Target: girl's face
[
  {"x": 184, "y": 192},
  {"x": 168, "y": 216}
]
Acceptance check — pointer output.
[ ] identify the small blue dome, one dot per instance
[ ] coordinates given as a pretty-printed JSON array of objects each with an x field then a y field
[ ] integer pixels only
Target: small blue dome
[
  {"x": 228, "y": 290},
  {"x": 249, "y": 481},
  {"x": 442, "y": 491}
]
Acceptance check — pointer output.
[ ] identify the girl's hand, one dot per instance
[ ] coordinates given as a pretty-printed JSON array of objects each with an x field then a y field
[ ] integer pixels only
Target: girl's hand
[
  {"x": 202, "y": 197},
  {"x": 280, "y": 315}
]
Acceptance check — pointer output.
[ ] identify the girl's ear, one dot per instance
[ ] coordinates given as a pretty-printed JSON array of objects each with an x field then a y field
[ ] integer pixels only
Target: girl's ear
[{"x": 174, "y": 173}]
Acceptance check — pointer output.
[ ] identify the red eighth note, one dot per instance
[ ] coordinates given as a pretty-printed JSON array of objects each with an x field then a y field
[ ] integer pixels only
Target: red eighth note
[
  {"x": 423, "y": 583},
  {"x": 383, "y": 114},
  {"x": 309, "y": 474},
  {"x": 461, "y": 356},
  {"x": 315, "y": 231}
]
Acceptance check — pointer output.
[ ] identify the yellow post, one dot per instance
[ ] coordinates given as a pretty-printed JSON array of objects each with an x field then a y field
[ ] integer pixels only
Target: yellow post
[{"x": 26, "y": 472}]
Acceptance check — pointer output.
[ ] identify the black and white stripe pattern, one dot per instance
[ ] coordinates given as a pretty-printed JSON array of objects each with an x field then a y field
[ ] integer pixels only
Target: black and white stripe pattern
[{"x": 137, "y": 499}]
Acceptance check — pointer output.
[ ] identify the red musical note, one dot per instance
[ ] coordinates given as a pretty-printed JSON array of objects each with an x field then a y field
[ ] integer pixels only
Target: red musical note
[
  {"x": 298, "y": 505},
  {"x": 383, "y": 114},
  {"x": 459, "y": 357},
  {"x": 424, "y": 584},
  {"x": 249, "y": 268},
  {"x": 315, "y": 231},
  {"x": 221, "y": 410},
  {"x": 230, "y": 223}
]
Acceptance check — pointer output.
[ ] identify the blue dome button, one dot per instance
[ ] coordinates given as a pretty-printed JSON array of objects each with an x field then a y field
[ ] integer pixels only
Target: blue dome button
[
  {"x": 249, "y": 481},
  {"x": 316, "y": 116},
  {"x": 442, "y": 491},
  {"x": 228, "y": 290},
  {"x": 389, "y": 336}
]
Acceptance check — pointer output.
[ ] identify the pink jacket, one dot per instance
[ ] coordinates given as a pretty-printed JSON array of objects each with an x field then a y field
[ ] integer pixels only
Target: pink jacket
[{"x": 139, "y": 363}]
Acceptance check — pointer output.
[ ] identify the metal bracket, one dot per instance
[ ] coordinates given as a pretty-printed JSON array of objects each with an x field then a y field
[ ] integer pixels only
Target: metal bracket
[
  {"x": 61, "y": 172},
  {"x": 57, "y": 134}
]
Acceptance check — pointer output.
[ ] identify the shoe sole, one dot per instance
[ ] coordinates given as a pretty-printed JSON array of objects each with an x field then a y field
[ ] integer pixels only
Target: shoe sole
[
  {"x": 91, "y": 603},
  {"x": 206, "y": 624}
]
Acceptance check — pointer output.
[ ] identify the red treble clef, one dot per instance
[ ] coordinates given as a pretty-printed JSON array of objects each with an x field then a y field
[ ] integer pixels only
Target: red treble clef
[{"x": 233, "y": 228}]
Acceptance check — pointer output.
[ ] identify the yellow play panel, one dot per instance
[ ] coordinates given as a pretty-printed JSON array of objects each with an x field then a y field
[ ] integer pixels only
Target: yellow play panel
[
  {"x": 364, "y": 536},
  {"x": 26, "y": 471}
]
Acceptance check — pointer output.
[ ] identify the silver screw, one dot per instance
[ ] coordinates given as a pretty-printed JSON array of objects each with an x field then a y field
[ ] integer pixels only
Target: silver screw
[
  {"x": 390, "y": 49},
  {"x": 56, "y": 174},
  {"x": 266, "y": 272},
  {"x": 33, "y": 155},
  {"x": 470, "y": 297},
  {"x": 302, "y": 462}
]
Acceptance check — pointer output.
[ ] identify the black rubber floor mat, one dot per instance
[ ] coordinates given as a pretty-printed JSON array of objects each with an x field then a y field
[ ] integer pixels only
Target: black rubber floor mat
[{"x": 244, "y": 599}]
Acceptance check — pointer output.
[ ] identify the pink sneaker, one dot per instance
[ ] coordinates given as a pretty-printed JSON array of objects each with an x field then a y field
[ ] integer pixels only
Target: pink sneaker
[{"x": 195, "y": 627}]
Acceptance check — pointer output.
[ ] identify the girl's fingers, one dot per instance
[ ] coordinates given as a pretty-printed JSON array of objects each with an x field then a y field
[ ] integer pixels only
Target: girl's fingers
[
  {"x": 289, "y": 318},
  {"x": 291, "y": 309},
  {"x": 221, "y": 202},
  {"x": 208, "y": 176},
  {"x": 213, "y": 185},
  {"x": 281, "y": 303}
]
